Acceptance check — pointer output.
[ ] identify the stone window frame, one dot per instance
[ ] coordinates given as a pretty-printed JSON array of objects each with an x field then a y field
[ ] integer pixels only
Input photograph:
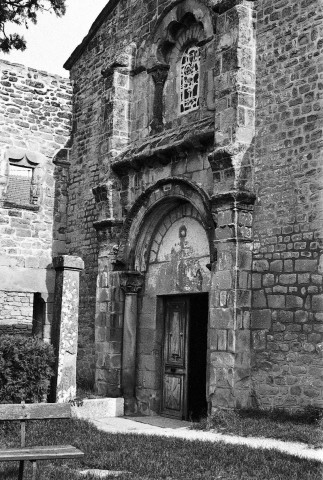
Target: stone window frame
[
  {"x": 195, "y": 99},
  {"x": 186, "y": 38},
  {"x": 25, "y": 159}
]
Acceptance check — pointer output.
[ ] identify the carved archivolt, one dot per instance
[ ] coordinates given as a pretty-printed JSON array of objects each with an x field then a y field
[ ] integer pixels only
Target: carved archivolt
[{"x": 150, "y": 208}]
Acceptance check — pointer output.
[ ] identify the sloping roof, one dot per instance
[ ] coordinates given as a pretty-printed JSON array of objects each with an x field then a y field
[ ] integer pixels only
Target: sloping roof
[{"x": 86, "y": 40}]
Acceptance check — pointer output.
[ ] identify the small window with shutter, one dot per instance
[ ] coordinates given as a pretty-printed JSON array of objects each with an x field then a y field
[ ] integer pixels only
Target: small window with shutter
[
  {"x": 21, "y": 176},
  {"x": 19, "y": 185}
]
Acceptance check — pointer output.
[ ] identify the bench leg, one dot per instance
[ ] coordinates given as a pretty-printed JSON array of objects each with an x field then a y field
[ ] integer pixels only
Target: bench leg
[
  {"x": 34, "y": 469},
  {"x": 21, "y": 469}
]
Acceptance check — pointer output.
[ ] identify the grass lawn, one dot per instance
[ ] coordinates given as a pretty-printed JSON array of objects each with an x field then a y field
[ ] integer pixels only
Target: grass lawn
[
  {"x": 151, "y": 458},
  {"x": 305, "y": 427}
]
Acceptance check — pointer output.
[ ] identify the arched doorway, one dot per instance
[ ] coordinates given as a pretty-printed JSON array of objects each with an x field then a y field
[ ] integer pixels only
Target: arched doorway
[{"x": 173, "y": 318}]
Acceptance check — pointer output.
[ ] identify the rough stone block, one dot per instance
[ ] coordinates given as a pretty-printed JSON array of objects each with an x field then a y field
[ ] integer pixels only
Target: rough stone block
[
  {"x": 260, "y": 266},
  {"x": 292, "y": 301},
  {"x": 242, "y": 341},
  {"x": 259, "y": 340},
  {"x": 222, "y": 318},
  {"x": 99, "y": 408},
  {"x": 317, "y": 303},
  {"x": 223, "y": 279},
  {"x": 285, "y": 316},
  {"x": 222, "y": 359},
  {"x": 301, "y": 316},
  {"x": 287, "y": 279},
  {"x": 243, "y": 280},
  {"x": 223, "y": 398},
  {"x": 256, "y": 280},
  {"x": 222, "y": 339},
  {"x": 276, "y": 266},
  {"x": 306, "y": 265},
  {"x": 261, "y": 319},
  {"x": 268, "y": 280},
  {"x": 259, "y": 299},
  {"x": 276, "y": 301}
]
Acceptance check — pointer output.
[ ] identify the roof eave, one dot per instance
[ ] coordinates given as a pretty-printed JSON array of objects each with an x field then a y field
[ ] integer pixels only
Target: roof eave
[{"x": 86, "y": 40}]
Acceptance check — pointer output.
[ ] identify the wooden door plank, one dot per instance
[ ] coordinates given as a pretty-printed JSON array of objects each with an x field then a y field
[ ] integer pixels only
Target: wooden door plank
[{"x": 175, "y": 359}]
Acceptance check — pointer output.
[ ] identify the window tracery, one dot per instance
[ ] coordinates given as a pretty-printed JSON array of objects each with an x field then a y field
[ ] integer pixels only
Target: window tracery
[{"x": 190, "y": 73}]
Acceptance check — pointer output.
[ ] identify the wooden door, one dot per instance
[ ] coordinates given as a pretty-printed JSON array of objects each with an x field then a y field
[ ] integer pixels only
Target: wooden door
[{"x": 175, "y": 365}]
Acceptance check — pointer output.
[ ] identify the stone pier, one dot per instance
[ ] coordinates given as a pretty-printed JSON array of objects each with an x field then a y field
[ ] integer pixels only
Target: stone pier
[{"x": 65, "y": 325}]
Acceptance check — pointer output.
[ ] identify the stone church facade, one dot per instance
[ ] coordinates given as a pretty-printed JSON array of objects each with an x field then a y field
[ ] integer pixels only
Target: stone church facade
[{"x": 193, "y": 196}]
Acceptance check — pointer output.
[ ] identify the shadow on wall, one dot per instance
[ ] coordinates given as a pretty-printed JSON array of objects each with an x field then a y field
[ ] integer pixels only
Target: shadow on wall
[{"x": 60, "y": 246}]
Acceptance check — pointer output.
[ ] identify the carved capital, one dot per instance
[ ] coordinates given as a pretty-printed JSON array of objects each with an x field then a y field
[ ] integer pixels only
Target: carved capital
[
  {"x": 159, "y": 73},
  {"x": 131, "y": 282}
]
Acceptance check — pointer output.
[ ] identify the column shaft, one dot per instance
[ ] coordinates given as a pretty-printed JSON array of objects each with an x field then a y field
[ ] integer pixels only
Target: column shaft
[
  {"x": 129, "y": 345},
  {"x": 65, "y": 326}
]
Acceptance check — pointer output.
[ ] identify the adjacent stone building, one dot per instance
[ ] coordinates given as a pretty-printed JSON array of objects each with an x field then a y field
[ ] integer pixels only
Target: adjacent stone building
[
  {"x": 35, "y": 114},
  {"x": 38, "y": 281},
  {"x": 195, "y": 201}
]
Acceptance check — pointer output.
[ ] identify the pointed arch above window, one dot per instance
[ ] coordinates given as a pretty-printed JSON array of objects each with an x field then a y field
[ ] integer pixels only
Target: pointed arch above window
[{"x": 190, "y": 79}]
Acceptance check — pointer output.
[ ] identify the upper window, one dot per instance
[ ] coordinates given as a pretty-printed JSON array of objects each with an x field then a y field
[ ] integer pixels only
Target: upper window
[{"x": 190, "y": 73}]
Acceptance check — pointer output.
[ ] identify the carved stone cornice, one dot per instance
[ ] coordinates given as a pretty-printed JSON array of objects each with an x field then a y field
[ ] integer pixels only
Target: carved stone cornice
[
  {"x": 108, "y": 71},
  {"x": 164, "y": 146},
  {"x": 234, "y": 196},
  {"x": 107, "y": 222},
  {"x": 131, "y": 282}
]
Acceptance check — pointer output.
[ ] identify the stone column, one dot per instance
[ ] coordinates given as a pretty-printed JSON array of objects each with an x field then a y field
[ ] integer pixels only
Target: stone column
[
  {"x": 159, "y": 74},
  {"x": 131, "y": 283},
  {"x": 65, "y": 326}
]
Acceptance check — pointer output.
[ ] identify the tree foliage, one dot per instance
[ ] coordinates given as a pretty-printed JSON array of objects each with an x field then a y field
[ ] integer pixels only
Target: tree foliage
[{"x": 22, "y": 12}]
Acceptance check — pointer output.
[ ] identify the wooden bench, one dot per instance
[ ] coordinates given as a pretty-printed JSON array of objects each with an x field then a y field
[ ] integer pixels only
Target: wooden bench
[{"x": 35, "y": 411}]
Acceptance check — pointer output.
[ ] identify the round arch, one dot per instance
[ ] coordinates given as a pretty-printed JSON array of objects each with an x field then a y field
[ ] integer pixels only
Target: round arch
[
  {"x": 172, "y": 19},
  {"x": 154, "y": 204}
]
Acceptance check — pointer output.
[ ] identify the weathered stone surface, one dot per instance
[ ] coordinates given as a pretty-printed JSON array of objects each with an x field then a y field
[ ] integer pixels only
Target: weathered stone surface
[
  {"x": 99, "y": 407},
  {"x": 261, "y": 319},
  {"x": 65, "y": 327},
  {"x": 33, "y": 231},
  {"x": 223, "y": 199}
]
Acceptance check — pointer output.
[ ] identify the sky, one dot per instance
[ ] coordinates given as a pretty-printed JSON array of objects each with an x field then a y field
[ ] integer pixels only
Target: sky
[{"x": 52, "y": 40}]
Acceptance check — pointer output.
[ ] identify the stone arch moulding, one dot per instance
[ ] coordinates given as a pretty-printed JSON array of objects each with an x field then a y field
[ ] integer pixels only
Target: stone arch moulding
[
  {"x": 167, "y": 25},
  {"x": 150, "y": 207}
]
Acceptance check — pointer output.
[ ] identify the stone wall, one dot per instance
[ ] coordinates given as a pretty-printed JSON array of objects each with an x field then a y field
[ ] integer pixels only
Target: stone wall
[
  {"x": 248, "y": 142},
  {"x": 287, "y": 272},
  {"x": 16, "y": 312},
  {"x": 35, "y": 113}
]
